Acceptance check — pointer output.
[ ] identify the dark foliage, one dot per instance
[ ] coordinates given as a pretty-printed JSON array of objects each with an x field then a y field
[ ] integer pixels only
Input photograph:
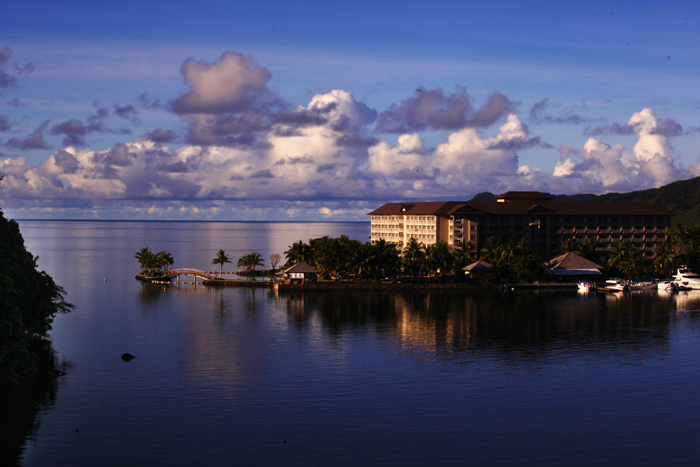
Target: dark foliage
[
  {"x": 682, "y": 198},
  {"x": 29, "y": 301}
]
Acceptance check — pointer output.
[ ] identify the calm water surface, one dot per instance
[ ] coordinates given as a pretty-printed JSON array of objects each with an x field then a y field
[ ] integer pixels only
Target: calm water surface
[{"x": 245, "y": 377}]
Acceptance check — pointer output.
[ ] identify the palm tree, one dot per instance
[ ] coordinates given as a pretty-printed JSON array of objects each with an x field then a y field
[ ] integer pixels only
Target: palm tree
[
  {"x": 566, "y": 246},
  {"x": 462, "y": 254},
  {"x": 491, "y": 249},
  {"x": 632, "y": 263},
  {"x": 147, "y": 259},
  {"x": 618, "y": 252},
  {"x": 165, "y": 259},
  {"x": 221, "y": 258},
  {"x": 664, "y": 259},
  {"x": 440, "y": 258},
  {"x": 413, "y": 254},
  {"x": 255, "y": 260},
  {"x": 589, "y": 249},
  {"x": 298, "y": 252}
]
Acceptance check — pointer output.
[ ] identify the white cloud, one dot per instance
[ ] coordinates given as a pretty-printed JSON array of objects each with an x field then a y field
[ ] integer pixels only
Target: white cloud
[{"x": 313, "y": 155}]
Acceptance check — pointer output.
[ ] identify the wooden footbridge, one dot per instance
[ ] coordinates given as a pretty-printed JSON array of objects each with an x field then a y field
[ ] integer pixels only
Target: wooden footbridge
[{"x": 186, "y": 272}]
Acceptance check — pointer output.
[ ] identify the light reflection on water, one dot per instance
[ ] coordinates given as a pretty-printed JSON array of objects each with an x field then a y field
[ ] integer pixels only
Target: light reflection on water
[{"x": 224, "y": 376}]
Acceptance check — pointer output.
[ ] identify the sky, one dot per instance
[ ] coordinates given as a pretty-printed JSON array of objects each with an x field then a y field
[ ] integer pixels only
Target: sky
[{"x": 308, "y": 110}]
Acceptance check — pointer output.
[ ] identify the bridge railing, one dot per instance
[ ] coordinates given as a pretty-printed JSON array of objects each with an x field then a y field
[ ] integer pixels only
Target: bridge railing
[{"x": 188, "y": 272}]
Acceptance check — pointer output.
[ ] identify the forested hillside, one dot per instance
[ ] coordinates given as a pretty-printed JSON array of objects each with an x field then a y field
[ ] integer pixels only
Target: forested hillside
[
  {"x": 29, "y": 300},
  {"x": 682, "y": 198}
]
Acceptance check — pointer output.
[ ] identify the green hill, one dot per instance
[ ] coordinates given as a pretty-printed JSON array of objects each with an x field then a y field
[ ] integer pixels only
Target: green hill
[{"x": 682, "y": 198}]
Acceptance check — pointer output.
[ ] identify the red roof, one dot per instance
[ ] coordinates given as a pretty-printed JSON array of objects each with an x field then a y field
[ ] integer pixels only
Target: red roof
[
  {"x": 524, "y": 195},
  {"x": 303, "y": 268},
  {"x": 571, "y": 260},
  {"x": 515, "y": 208}
]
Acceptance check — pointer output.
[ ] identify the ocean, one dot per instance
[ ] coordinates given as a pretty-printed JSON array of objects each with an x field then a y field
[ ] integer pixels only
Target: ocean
[{"x": 244, "y": 376}]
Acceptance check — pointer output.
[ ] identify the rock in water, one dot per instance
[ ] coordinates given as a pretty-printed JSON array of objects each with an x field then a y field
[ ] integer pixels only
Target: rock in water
[{"x": 127, "y": 357}]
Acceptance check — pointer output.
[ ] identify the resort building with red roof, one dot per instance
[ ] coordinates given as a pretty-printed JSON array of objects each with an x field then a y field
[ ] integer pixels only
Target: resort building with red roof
[{"x": 515, "y": 216}]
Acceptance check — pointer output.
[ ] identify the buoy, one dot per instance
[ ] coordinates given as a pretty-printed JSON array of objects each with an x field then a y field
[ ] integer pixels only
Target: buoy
[{"x": 105, "y": 279}]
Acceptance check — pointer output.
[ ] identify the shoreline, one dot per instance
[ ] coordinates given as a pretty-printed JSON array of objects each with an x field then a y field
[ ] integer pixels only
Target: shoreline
[{"x": 353, "y": 286}]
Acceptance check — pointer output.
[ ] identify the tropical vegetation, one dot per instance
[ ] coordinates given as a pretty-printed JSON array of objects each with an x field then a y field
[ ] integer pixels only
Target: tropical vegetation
[
  {"x": 251, "y": 261},
  {"x": 29, "y": 301},
  {"x": 221, "y": 258},
  {"x": 153, "y": 262}
]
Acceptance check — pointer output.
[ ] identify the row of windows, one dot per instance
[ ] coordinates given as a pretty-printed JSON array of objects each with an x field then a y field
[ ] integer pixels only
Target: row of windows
[{"x": 580, "y": 220}]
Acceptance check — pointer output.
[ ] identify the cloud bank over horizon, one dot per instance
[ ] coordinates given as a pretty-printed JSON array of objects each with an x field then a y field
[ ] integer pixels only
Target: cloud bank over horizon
[{"x": 244, "y": 150}]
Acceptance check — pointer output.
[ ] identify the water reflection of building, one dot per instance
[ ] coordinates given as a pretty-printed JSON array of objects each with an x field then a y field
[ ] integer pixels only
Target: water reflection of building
[{"x": 506, "y": 325}]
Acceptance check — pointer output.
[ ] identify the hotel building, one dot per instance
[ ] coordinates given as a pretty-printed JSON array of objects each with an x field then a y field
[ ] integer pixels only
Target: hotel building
[{"x": 518, "y": 215}]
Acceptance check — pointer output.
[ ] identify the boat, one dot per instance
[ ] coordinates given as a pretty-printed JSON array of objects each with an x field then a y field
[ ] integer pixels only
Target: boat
[
  {"x": 686, "y": 278},
  {"x": 615, "y": 285},
  {"x": 586, "y": 286},
  {"x": 643, "y": 284},
  {"x": 668, "y": 285}
]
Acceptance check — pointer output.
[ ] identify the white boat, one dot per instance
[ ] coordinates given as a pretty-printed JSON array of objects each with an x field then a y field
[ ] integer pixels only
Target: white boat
[
  {"x": 686, "y": 278},
  {"x": 668, "y": 286},
  {"x": 615, "y": 285},
  {"x": 644, "y": 284},
  {"x": 586, "y": 286}
]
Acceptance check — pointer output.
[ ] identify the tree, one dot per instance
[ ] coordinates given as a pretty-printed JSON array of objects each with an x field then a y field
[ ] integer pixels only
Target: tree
[
  {"x": 632, "y": 264},
  {"x": 566, "y": 246},
  {"x": 618, "y": 252},
  {"x": 146, "y": 258},
  {"x": 275, "y": 260},
  {"x": 462, "y": 255},
  {"x": 254, "y": 260},
  {"x": 221, "y": 258},
  {"x": 440, "y": 258},
  {"x": 29, "y": 301},
  {"x": 298, "y": 252},
  {"x": 164, "y": 259},
  {"x": 491, "y": 249},
  {"x": 664, "y": 259},
  {"x": 413, "y": 255},
  {"x": 589, "y": 249}
]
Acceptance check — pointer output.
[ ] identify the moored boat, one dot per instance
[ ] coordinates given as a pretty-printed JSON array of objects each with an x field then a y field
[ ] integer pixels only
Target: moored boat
[
  {"x": 686, "y": 278},
  {"x": 615, "y": 285},
  {"x": 668, "y": 285},
  {"x": 586, "y": 286},
  {"x": 643, "y": 284}
]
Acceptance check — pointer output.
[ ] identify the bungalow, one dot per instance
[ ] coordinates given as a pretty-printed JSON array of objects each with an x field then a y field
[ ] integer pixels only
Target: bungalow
[
  {"x": 302, "y": 272},
  {"x": 571, "y": 264},
  {"x": 478, "y": 266}
]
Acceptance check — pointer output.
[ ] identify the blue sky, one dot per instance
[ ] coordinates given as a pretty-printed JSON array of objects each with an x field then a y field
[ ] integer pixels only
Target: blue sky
[{"x": 319, "y": 110}]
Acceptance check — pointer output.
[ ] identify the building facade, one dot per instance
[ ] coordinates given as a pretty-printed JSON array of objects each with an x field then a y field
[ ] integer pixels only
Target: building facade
[{"x": 515, "y": 216}]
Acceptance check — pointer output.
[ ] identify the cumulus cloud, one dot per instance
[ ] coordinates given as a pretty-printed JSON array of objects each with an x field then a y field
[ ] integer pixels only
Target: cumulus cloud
[
  {"x": 229, "y": 104},
  {"x": 645, "y": 122},
  {"x": 231, "y": 84},
  {"x": 310, "y": 164},
  {"x": 245, "y": 144},
  {"x": 614, "y": 168},
  {"x": 433, "y": 110}
]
